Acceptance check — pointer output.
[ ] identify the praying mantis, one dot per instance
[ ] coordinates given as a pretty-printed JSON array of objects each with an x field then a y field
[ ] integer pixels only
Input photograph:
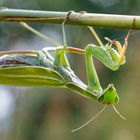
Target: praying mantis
[{"x": 39, "y": 68}]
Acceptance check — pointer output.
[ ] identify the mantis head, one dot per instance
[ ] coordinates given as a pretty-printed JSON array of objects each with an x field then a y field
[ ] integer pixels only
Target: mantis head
[{"x": 109, "y": 95}]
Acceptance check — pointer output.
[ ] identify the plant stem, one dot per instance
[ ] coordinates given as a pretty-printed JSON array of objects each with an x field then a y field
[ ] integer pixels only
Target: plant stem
[{"x": 86, "y": 19}]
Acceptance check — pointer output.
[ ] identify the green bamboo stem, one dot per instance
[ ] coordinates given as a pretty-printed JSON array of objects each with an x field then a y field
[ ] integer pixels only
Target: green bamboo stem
[{"x": 86, "y": 19}]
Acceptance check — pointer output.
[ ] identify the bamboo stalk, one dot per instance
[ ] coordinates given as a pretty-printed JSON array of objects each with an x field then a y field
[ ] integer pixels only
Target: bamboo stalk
[{"x": 86, "y": 19}]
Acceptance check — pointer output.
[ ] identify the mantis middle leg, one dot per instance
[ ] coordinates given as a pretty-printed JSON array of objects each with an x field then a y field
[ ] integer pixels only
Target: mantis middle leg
[{"x": 60, "y": 55}]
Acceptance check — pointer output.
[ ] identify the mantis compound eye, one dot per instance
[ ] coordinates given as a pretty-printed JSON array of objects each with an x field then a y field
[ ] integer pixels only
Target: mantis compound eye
[{"x": 109, "y": 95}]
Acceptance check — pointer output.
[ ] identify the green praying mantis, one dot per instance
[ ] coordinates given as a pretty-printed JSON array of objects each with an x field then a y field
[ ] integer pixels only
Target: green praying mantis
[{"x": 39, "y": 68}]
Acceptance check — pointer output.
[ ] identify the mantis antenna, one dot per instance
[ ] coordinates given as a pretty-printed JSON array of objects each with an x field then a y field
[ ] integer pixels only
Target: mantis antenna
[
  {"x": 118, "y": 113},
  {"x": 93, "y": 118}
]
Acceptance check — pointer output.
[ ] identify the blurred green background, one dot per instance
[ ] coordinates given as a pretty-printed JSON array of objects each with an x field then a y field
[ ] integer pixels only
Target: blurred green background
[{"x": 38, "y": 113}]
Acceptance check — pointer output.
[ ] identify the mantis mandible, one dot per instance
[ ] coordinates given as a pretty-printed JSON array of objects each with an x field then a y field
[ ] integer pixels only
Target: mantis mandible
[{"x": 39, "y": 68}]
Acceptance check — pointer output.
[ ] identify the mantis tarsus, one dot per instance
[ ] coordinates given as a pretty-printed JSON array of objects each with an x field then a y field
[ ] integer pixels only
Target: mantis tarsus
[{"x": 39, "y": 68}]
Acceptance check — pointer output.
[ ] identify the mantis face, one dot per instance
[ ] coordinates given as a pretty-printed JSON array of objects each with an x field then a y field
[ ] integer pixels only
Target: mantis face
[{"x": 109, "y": 95}]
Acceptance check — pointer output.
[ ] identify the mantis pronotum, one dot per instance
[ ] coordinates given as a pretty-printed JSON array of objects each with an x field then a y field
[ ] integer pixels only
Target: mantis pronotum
[{"x": 39, "y": 68}]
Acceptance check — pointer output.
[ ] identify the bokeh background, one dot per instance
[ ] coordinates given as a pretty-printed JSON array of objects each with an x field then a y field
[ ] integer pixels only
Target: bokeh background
[{"x": 41, "y": 113}]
